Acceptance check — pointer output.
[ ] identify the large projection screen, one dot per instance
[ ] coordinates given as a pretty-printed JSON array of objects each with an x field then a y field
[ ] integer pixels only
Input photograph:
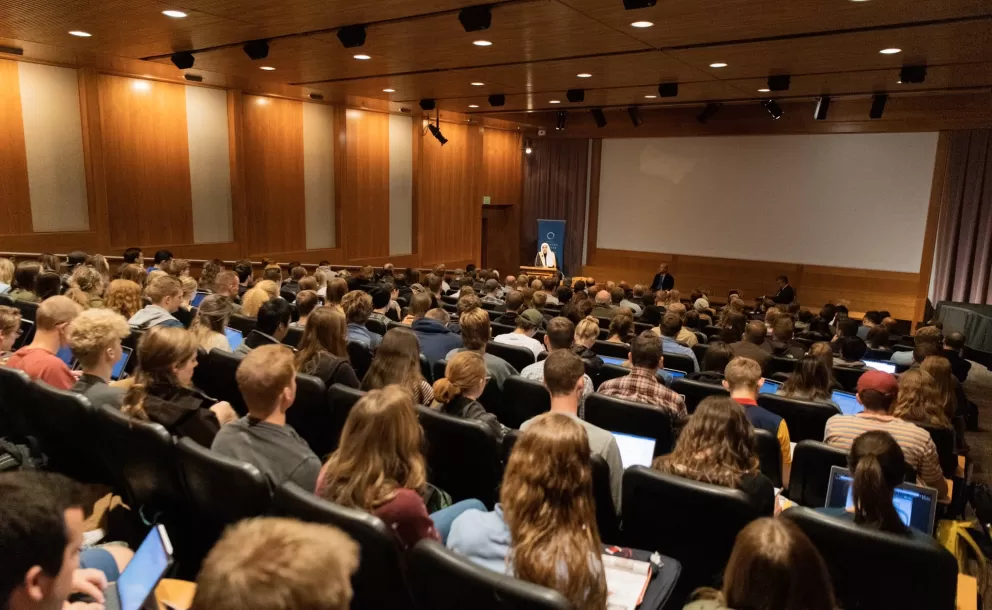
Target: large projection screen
[{"x": 845, "y": 200}]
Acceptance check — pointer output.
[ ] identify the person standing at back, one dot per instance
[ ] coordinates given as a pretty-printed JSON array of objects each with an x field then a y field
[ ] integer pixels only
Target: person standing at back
[
  {"x": 39, "y": 359},
  {"x": 742, "y": 378}
]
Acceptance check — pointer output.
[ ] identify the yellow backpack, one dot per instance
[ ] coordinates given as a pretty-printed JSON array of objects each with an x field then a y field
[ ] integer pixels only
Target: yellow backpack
[{"x": 956, "y": 537}]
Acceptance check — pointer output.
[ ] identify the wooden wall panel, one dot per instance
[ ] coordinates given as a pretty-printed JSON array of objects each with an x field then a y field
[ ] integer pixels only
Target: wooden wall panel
[
  {"x": 502, "y": 160},
  {"x": 501, "y": 226},
  {"x": 273, "y": 167},
  {"x": 146, "y": 155},
  {"x": 15, "y": 197},
  {"x": 365, "y": 196}
]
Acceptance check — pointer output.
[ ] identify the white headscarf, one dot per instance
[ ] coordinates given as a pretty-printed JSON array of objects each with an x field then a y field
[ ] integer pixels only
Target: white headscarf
[{"x": 549, "y": 258}]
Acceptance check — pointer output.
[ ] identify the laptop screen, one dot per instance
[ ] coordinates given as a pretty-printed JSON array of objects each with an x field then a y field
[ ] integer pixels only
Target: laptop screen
[
  {"x": 121, "y": 364},
  {"x": 65, "y": 355},
  {"x": 635, "y": 450},
  {"x": 879, "y": 365},
  {"x": 847, "y": 402},
  {"x": 234, "y": 337},
  {"x": 611, "y": 360},
  {"x": 198, "y": 298},
  {"x": 145, "y": 569},
  {"x": 26, "y": 327},
  {"x": 769, "y": 387},
  {"x": 916, "y": 505},
  {"x": 675, "y": 374}
]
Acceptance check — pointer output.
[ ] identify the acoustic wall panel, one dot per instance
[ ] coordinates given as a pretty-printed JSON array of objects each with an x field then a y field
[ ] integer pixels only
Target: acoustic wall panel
[
  {"x": 15, "y": 198},
  {"x": 209, "y": 164},
  {"x": 318, "y": 175},
  {"x": 400, "y": 185}
]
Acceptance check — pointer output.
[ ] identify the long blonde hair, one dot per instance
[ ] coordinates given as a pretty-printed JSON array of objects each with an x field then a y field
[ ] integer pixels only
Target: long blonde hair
[
  {"x": 463, "y": 372},
  {"x": 263, "y": 292},
  {"x": 919, "y": 400},
  {"x": 212, "y": 316},
  {"x": 325, "y": 331},
  {"x": 85, "y": 284},
  {"x": 549, "y": 508},
  {"x": 379, "y": 453},
  {"x": 943, "y": 377},
  {"x": 160, "y": 349}
]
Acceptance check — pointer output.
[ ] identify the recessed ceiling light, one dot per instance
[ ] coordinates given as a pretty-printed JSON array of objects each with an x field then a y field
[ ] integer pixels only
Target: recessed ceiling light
[
  {"x": 718, "y": 64},
  {"x": 363, "y": 57},
  {"x": 650, "y": 97},
  {"x": 642, "y": 24},
  {"x": 267, "y": 68},
  {"x": 174, "y": 14},
  {"x": 891, "y": 51},
  {"x": 899, "y": 82},
  {"x": 555, "y": 102},
  {"x": 764, "y": 90},
  {"x": 482, "y": 43},
  {"x": 478, "y": 84},
  {"x": 389, "y": 90},
  {"x": 80, "y": 33},
  {"x": 584, "y": 75},
  {"x": 473, "y": 105}
]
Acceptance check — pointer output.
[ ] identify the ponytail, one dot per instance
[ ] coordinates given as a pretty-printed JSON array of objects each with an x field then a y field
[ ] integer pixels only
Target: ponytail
[
  {"x": 133, "y": 404},
  {"x": 878, "y": 466},
  {"x": 463, "y": 372},
  {"x": 445, "y": 391}
]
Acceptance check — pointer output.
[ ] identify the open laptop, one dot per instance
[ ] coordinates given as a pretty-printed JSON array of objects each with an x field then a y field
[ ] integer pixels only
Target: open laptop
[
  {"x": 880, "y": 365},
  {"x": 234, "y": 337},
  {"x": 769, "y": 387},
  {"x": 117, "y": 373},
  {"x": 27, "y": 327},
  {"x": 614, "y": 361},
  {"x": 916, "y": 505},
  {"x": 635, "y": 450},
  {"x": 136, "y": 585},
  {"x": 198, "y": 297},
  {"x": 675, "y": 374},
  {"x": 847, "y": 402}
]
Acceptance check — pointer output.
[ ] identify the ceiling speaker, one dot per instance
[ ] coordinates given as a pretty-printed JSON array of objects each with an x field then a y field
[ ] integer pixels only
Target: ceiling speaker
[
  {"x": 913, "y": 74},
  {"x": 576, "y": 95},
  {"x": 427, "y": 105},
  {"x": 668, "y": 89},
  {"x": 476, "y": 18},
  {"x": 822, "y": 107},
  {"x": 779, "y": 82},
  {"x": 257, "y": 49},
  {"x": 352, "y": 36},
  {"x": 636, "y": 4},
  {"x": 497, "y": 100},
  {"x": 183, "y": 60}
]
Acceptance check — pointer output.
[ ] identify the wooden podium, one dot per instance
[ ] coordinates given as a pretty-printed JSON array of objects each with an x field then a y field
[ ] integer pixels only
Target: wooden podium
[{"x": 541, "y": 272}]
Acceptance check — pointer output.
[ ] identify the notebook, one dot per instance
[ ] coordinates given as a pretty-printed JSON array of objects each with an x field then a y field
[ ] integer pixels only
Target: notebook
[
  {"x": 847, "y": 402},
  {"x": 234, "y": 337},
  {"x": 916, "y": 505},
  {"x": 635, "y": 450},
  {"x": 627, "y": 581},
  {"x": 769, "y": 387},
  {"x": 879, "y": 365}
]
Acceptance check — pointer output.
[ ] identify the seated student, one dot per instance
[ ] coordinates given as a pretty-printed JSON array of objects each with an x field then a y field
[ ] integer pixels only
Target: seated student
[
  {"x": 381, "y": 305},
  {"x": 378, "y": 467},
  {"x": 476, "y": 332},
  {"x": 6, "y": 274},
  {"x": 38, "y": 359},
  {"x": 47, "y": 285},
  {"x": 803, "y": 317},
  {"x": 717, "y": 447},
  {"x": 436, "y": 339},
  {"x": 357, "y": 307},
  {"x": 166, "y": 295},
  {"x": 782, "y": 344},
  {"x": 226, "y": 284},
  {"x": 633, "y": 302},
  {"x": 654, "y": 307},
  {"x": 810, "y": 381},
  {"x": 742, "y": 378},
  {"x": 10, "y": 330},
  {"x": 929, "y": 335},
  {"x": 435, "y": 288},
  {"x": 559, "y": 336},
  {"x": 671, "y": 326},
  {"x": 544, "y": 528},
  {"x": 293, "y": 284},
  {"x": 586, "y": 335},
  {"x": 267, "y": 381},
  {"x": 95, "y": 339},
  {"x": 919, "y": 400},
  {"x": 527, "y": 325},
  {"x": 458, "y": 392},
  {"x": 846, "y": 329},
  {"x": 564, "y": 376},
  {"x": 852, "y": 353},
  {"x": 161, "y": 257},
  {"x": 323, "y": 350},
  {"x": 685, "y": 337},
  {"x": 124, "y": 297},
  {"x": 420, "y": 304},
  {"x": 751, "y": 346},
  {"x": 621, "y": 328},
  {"x": 271, "y": 326},
  {"x": 954, "y": 344},
  {"x": 397, "y": 361},
  {"x": 642, "y": 384},
  {"x": 273, "y": 273},
  {"x": 41, "y": 538},
  {"x": 86, "y": 287},
  {"x": 306, "y": 302},
  {"x": 773, "y": 566},
  {"x": 513, "y": 308},
  {"x": 951, "y": 397},
  {"x": 870, "y": 320},
  {"x": 314, "y": 564},
  {"x": 492, "y": 293},
  {"x": 878, "y": 341},
  {"x": 162, "y": 390},
  {"x": 261, "y": 293},
  {"x": 24, "y": 281},
  {"x": 135, "y": 274},
  {"x": 211, "y": 319},
  {"x": 718, "y": 356},
  {"x": 877, "y": 391},
  {"x": 877, "y": 466}
]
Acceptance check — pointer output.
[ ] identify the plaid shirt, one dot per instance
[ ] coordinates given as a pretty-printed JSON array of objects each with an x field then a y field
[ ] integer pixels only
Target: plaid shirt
[{"x": 642, "y": 386}]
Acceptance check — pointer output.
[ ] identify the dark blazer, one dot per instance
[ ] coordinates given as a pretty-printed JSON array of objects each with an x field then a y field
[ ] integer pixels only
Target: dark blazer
[
  {"x": 785, "y": 295},
  {"x": 663, "y": 284},
  {"x": 746, "y": 349}
]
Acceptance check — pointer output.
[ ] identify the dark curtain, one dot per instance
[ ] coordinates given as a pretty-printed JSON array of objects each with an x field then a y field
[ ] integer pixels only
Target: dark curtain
[
  {"x": 555, "y": 189},
  {"x": 963, "y": 256}
]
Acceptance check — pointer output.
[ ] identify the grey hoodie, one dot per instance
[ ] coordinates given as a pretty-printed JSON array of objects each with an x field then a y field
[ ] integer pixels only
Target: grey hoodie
[{"x": 153, "y": 315}]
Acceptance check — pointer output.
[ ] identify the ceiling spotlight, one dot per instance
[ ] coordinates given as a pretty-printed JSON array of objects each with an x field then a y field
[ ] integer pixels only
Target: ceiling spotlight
[
  {"x": 560, "y": 118},
  {"x": 576, "y": 95},
  {"x": 554, "y": 101},
  {"x": 774, "y": 110},
  {"x": 584, "y": 75},
  {"x": 707, "y": 112},
  {"x": 436, "y": 132},
  {"x": 476, "y": 18},
  {"x": 631, "y": 5},
  {"x": 267, "y": 68},
  {"x": 473, "y": 105},
  {"x": 718, "y": 64},
  {"x": 527, "y": 148},
  {"x": 182, "y": 60},
  {"x": 650, "y": 97},
  {"x": 891, "y": 51},
  {"x": 362, "y": 56},
  {"x": 913, "y": 74},
  {"x": 316, "y": 96},
  {"x": 478, "y": 84},
  {"x": 599, "y": 117},
  {"x": 497, "y": 100},
  {"x": 668, "y": 89},
  {"x": 427, "y": 104},
  {"x": 174, "y": 14},
  {"x": 352, "y": 36},
  {"x": 822, "y": 107},
  {"x": 877, "y": 105},
  {"x": 635, "y": 115},
  {"x": 389, "y": 90},
  {"x": 482, "y": 43},
  {"x": 642, "y": 24},
  {"x": 764, "y": 90},
  {"x": 779, "y": 82},
  {"x": 80, "y": 33}
]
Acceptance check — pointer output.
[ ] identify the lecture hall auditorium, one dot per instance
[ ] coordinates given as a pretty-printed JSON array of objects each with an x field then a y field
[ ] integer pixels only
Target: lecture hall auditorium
[{"x": 495, "y": 304}]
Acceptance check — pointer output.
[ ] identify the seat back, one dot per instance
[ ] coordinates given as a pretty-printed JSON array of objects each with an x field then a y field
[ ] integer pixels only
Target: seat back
[
  {"x": 693, "y": 522},
  {"x": 376, "y": 326},
  {"x": 380, "y": 581},
  {"x": 810, "y": 475},
  {"x": 293, "y": 337},
  {"x": 438, "y": 369},
  {"x": 425, "y": 369},
  {"x": 848, "y": 376},
  {"x": 611, "y": 371},
  {"x": 769, "y": 455},
  {"x": 522, "y": 400},
  {"x": 463, "y": 456},
  {"x": 628, "y": 417},
  {"x": 27, "y": 335},
  {"x": 29, "y": 311},
  {"x": 14, "y": 400},
  {"x": 243, "y": 323},
  {"x": 63, "y": 423},
  {"x": 699, "y": 350},
  {"x": 679, "y": 363},
  {"x": 780, "y": 364},
  {"x": 943, "y": 438},
  {"x": 612, "y": 350},
  {"x": 712, "y": 331},
  {"x": 518, "y": 357},
  {"x": 222, "y": 490},
  {"x": 806, "y": 420},
  {"x": 701, "y": 337},
  {"x": 606, "y": 513},
  {"x": 445, "y": 580},
  {"x": 340, "y": 400},
  {"x": 360, "y": 357},
  {"x": 858, "y": 558},
  {"x": 220, "y": 368},
  {"x": 310, "y": 415},
  {"x": 500, "y": 329},
  {"x": 696, "y": 391}
]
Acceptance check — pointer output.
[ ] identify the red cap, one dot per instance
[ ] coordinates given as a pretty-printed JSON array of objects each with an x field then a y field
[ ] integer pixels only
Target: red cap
[{"x": 878, "y": 381}]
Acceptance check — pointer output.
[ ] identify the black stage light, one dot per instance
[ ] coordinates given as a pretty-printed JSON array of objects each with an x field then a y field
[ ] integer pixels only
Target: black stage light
[
  {"x": 183, "y": 60},
  {"x": 352, "y": 36},
  {"x": 822, "y": 107},
  {"x": 707, "y": 112},
  {"x": 476, "y": 18},
  {"x": 636, "y": 4},
  {"x": 779, "y": 82},
  {"x": 668, "y": 89},
  {"x": 11, "y": 50},
  {"x": 257, "y": 49},
  {"x": 497, "y": 100},
  {"x": 196, "y": 78},
  {"x": 877, "y": 105},
  {"x": 316, "y": 96},
  {"x": 576, "y": 95},
  {"x": 427, "y": 105},
  {"x": 560, "y": 118},
  {"x": 913, "y": 74},
  {"x": 436, "y": 132},
  {"x": 599, "y": 117},
  {"x": 635, "y": 115},
  {"x": 774, "y": 110}
]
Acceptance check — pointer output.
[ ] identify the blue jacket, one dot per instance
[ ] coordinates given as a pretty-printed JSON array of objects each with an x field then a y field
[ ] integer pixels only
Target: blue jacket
[{"x": 435, "y": 339}]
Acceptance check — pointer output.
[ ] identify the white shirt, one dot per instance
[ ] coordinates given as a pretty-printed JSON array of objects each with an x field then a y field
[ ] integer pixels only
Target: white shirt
[{"x": 519, "y": 340}]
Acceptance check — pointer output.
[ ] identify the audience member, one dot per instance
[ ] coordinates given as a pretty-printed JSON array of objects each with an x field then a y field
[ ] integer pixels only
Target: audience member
[
  {"x": 642, "y": 384},
  {"x": 161, "y": 257},
  {"x": 124, "y": 297},
  {"x": 73, "y": 260},
  {"x": 717, "y": 447},
  {"x": 782, "y": 344},
  {"x": 267, "y": 381},
  {"x": 273, "y": 273},
  {"x": 621, "y": 328},
  {"x": 604, "y": 305},
  {"x": 271, "y": 326},
  {"x": 671, "y": 326},
  {"x": 95, "y": 339},
  {"x": 635, "y": 301},
  {"x": 420, "y": 304},
  {"x": 877, "y": 391},
  {"x": 803, "y": 319},
  {"x": 878, "y": 341},
  {"x": 6, "y": 275},
  {"x": 742, "y": 379},
  {"x": 458, "y": 392},
  {"x": 226, "y": 284},
  {"x": 306, "y": 302},
  {"x": 559, "y": 336},
  {"x": 357, "y": 307},
  {"x": 435, "y": 338},
  {"x": 211, "y": 319},
  {"x": 86, "y": 287},
  {"x": 718, "y": 356},
  {"x": 852, "y": 353},
  {"x": 323, "y": 352},
  {"x": 870, "y": 320},
  {"x": 685, "y": 337},
  {"x": 954, "y": 344},
  {"x": 162, "y": 390},
  {"x": 40, "y": 358},
  {"x": 919, "y": 400},
  {"x": 295, "y": 275},
  {"x": 24, "y": 280},
  {"x": 176, "y": 267},
  {"x": 336, "y": 289},
  {"x": 586, "y": 335},
  {"x": 259, "y": 294},
  {"x": 166, "y": 296},
  {"x": 10, "y": 331},
  {"x": 397, "y": 362},
  {"x": 382, "y": 306},
  {"x": 527, "y": 325},
  {"x": 475, "y": 334},
  {"x": 810, "y": 381},
  {"x": 751, "y": 346},
  {"x": 492, "y": 294},
  {"x": 136, "y": 274}
]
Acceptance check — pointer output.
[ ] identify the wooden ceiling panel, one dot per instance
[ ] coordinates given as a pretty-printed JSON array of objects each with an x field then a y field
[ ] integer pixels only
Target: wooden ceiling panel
[
  {"x": 692, "y": 23},
  {"x": 931, "y": 44}
]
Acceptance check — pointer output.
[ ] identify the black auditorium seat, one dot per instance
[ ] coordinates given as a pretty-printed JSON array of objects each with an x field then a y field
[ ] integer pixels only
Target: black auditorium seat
[
  {"x": 522, "y": 400},
  {"x": 700, "y": 350},
  {"x": 28, "y": 310},
  {"x": 517, "y": 357},
  {"x": 781, "y": 364},
  {"x": 679, "y": 363},
  {"x": 805, "y": 419},
  {"x": 943, "y": 438},
  {"x": 341, "y": 399},
  {"x": 15, "y": 387},
  {"x": 696, "y": 391},
  {"x": 612, "y": 371},
  {"x": 63, "y": 423},
  {"x": 810, "y": 474},
  {"x": 463, "y": 456},
  {"x": 293, "y": 337},
  {"x": 376, "y": 326},
  {"x": 848, "y": 376},
  {"x": 612, "y": 350},
  {"x": 221, "y": 368},
  {"x": 360, "y": 357},
  {"x": 311, "y": 415},
  {"x": 769, "y": 455},
  {"x": 242, "y": 323},
  {"x": 627, "y": 417}
]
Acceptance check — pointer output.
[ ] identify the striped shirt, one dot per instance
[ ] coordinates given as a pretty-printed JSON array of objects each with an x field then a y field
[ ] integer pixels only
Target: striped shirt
[{"x": 915, "y": 442}]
